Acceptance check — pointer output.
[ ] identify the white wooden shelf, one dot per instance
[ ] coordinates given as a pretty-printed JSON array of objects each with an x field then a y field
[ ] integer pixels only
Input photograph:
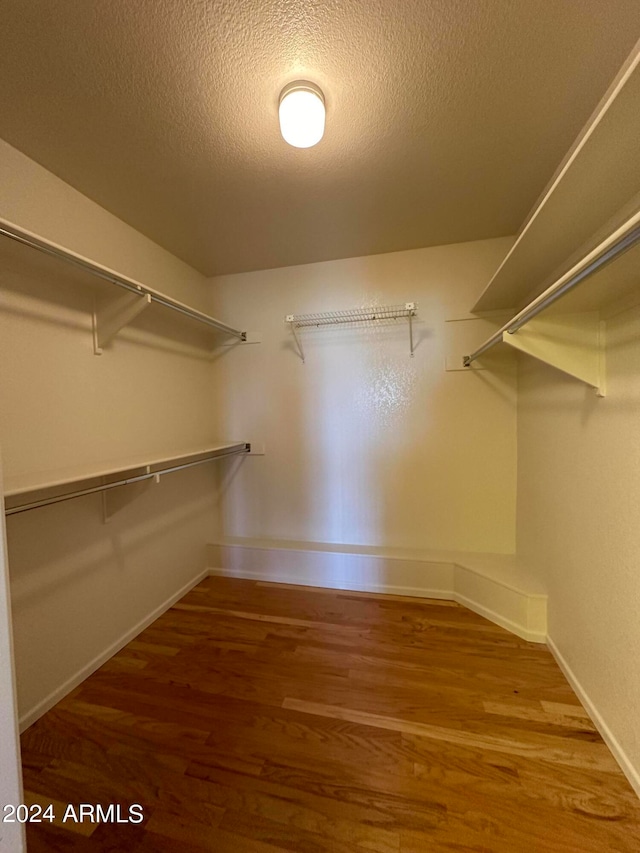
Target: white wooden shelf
[
  {"x": 583, "y": 231},
  {"x": 568, "y": 332},
  {"x": 127, "y": 299},
  {"x": 46, "y": 487},
  {"x": 36, "y": 481},
  {"x": 596, "y": 187}
]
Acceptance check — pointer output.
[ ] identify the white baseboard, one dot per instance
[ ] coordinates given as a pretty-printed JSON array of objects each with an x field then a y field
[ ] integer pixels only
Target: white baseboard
[
  {"x": 33, "y": 714},
  {"x": 288, "y": 578},
  {"x": 627, "y": 767},
  {"x": 499, "y": 619},
  {"x": 494, "y": 588}
]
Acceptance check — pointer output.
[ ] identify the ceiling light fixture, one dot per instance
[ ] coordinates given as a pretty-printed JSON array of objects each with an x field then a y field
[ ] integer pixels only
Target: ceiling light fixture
[{"x": 301, "y": 114}]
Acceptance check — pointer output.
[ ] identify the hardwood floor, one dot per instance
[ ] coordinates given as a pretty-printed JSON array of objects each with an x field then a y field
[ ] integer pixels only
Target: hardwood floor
[{"x": 260, "y": 717}]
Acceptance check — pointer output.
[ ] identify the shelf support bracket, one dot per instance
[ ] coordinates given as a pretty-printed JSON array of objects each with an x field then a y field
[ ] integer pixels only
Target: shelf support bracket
[
  {"x": 411, "y": 308},
  {"x": 572, "y": 343},
  {"x": 110, "y": 318},
  {"x": 116, "y": 499},
  {"x": 290, "y": 320}
]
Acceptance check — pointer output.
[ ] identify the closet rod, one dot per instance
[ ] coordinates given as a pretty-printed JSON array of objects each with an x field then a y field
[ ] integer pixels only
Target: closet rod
[
  {"x": 27, "y": 239},
  {"x": 244, "y": 448},
  {"x": 604, "y": 253}
]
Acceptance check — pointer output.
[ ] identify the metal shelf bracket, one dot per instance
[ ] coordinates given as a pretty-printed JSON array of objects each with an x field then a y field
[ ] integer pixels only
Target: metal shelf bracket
[{"x": 292, "y": 322}]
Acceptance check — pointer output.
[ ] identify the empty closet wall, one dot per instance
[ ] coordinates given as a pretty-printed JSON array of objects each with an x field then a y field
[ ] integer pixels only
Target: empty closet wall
[
  {"x": 365, "y": 445},
  {"x": 11, "y": 835},
  {"x": 578, "y": 512},
  {"x": 79, "y": 586}
]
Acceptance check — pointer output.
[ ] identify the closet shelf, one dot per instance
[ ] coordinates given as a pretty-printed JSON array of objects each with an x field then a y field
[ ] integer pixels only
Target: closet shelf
[
  {"x": 570, "y": 335},
  {"x": 595, "y": 188},
  {"x": 66, "y": 484},
  {"x": 110, "y": 318},
  {"x": 372, "y": 314}
]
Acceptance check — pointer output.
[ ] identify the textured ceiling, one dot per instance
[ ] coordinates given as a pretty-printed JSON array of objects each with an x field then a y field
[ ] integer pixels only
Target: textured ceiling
[{"x": 445, "y": 118}]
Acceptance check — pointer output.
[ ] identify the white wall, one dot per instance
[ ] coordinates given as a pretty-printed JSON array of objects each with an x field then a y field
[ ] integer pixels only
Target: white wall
[
  {"x": 365, "y": 445},
  {"x": 578, "y": 524},
  {"x": 11, "y": 834},
  {"x": 78, "y": 586},
  {"x": 37, "y": 200}
]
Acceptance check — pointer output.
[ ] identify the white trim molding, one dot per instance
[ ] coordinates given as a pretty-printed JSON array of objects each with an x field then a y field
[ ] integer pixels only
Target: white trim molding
[
  {"x": 29, "y": 717},
  {"x": 494, "y": 585},
  {"x": 626, "y": 765}
]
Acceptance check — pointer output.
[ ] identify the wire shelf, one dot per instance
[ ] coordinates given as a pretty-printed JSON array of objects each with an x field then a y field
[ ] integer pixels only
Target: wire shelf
[
  {"x": 372, "y": 314},
  {"x": 353, "y": 315}
]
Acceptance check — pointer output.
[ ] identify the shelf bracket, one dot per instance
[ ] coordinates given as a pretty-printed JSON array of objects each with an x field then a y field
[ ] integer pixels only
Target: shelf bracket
[
  {"x": 572, "y": 343},
  {"x": 116, "y": 499},
  {"x": 109, "y": 318},
  {"x": 291, "y": 320},
  {"x": 411, "y": 308}
]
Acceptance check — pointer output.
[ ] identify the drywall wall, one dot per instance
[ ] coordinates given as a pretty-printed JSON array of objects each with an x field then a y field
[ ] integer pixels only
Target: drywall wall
[
  {"x": 11, "y": 834},
  {"x": 78, "y": 585},
  {"x": 81, "y": 588},
  {"x": 363, "y": 444},
  {"x": 578, "y": 510},
  {"x": 37, "y": 200}
]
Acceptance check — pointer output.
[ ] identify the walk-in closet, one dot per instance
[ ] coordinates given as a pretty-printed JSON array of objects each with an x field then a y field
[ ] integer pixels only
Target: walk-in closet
[{"x": 319, "y": 406}]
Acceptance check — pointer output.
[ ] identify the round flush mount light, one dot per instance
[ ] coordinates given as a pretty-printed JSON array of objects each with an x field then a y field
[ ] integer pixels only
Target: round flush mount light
[{"x": 301, "y": 114}]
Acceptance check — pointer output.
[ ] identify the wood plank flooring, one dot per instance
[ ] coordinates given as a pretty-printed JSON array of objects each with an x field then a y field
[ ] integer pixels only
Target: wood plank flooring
[{"x": 263, "y": 717}]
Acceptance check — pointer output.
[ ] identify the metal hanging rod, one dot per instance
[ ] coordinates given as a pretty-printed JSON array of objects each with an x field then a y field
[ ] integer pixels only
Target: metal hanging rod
[
  {"x": 149, "y": 475},
  {"x": 13, "y": 232},
  {"x": 610, "y": 249},
  {"x": 374, "y": 313}
]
